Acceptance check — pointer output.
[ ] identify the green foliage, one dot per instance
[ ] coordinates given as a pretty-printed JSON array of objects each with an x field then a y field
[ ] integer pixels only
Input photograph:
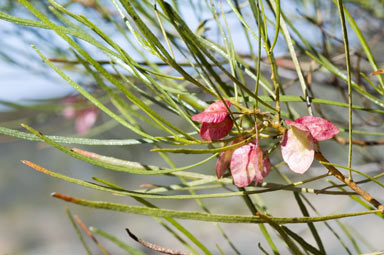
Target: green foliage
[{"x": 161, "y": 71}]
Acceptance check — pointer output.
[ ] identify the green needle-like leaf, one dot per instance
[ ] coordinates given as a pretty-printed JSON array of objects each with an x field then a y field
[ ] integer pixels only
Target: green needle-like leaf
[{"x": 191, "y": 215}]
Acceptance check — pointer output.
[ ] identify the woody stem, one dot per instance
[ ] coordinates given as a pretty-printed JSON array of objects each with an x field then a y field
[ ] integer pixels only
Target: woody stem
[{"x": 364, "y": 194}]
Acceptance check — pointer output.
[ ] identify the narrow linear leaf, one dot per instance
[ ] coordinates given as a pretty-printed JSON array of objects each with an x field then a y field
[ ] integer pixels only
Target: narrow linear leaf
[
  {"x": 192, "y": 215},
  {"x": 132, "y": 169},
  {"x": 79, "y": 235},
  {"x": 291, "y": 245},
  {"x": 75, "y": 140}
]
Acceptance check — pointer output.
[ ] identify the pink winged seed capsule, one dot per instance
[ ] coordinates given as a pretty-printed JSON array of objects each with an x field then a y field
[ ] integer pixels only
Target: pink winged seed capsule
[
  {"x": 297, "y": 147},
  {"x": 86, "y": 119},
  {"x": 214, "y": 113},
  {"x": 223, "y": 163},
  {"x": 321, "y": 129},
  {"x": 69, "y": 111},
  {"x": 247, "y": 165},
  {"x": 216, "y": 121},
  {"x": 225, "y": 159},
  {"x": 216, "y": 131},
  {"x": 243, "y": 168}
]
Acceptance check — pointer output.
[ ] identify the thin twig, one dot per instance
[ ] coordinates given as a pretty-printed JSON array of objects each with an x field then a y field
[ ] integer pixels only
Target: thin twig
[
  {"x": 359, "y": 142},
  {"x": 319, "y": 156},
  {"x": 359, "y": 182},
  {"x": 348, "y": 62},
  {"x": 154, "y": 246}
]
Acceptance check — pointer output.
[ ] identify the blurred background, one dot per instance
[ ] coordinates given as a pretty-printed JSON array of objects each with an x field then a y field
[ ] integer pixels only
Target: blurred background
[{"x": 34, "y": 223}]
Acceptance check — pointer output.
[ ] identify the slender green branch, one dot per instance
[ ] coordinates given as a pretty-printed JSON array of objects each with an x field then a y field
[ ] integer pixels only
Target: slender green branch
[
  {"x": 348, "y": 62},
  {"x": 191, "y": 215}
]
